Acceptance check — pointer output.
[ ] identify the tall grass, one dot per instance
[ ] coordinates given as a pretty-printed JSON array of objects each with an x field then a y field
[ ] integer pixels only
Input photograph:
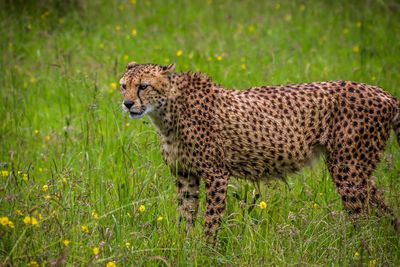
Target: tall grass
[{"x": 62, "y": 126}]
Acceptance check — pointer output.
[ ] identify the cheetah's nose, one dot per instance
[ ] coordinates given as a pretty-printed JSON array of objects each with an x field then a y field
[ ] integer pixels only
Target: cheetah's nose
[{"x": 128, "y": 103}]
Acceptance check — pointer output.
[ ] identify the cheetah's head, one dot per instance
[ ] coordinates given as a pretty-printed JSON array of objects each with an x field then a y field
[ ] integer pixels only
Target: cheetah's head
[{"x": 145, "y": 87}]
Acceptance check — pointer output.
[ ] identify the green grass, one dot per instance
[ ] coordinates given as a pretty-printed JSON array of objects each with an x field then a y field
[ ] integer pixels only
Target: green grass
[{"x": 61, "y": 123}]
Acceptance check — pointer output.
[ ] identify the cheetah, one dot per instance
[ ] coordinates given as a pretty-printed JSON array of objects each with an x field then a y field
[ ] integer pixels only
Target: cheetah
[{"x": 212, "y": 133}]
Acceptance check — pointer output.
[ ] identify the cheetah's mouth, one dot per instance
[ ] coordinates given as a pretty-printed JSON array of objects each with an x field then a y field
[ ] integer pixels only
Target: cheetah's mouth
[{"x": 135, "y": 115}]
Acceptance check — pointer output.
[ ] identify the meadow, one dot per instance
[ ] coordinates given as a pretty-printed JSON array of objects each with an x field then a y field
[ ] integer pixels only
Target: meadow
[{"x": 82, "y": 184}]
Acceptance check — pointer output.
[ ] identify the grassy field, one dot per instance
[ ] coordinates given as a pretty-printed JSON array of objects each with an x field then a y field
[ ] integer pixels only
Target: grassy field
[{"x": 82, "y": 184}]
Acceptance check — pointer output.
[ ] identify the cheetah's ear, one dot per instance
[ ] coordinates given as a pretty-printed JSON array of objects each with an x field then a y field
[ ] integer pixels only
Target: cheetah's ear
[
  {"x": 168, "y": 70},
  {"x": 131, "y": 65}
]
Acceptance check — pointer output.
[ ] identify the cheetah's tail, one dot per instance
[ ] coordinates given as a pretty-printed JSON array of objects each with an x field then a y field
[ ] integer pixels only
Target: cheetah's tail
[{"x": 396, "y": 122}]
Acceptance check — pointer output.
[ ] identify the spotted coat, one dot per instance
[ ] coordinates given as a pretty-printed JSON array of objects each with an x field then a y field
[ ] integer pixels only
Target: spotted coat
[{"x": 211, "y": 133}]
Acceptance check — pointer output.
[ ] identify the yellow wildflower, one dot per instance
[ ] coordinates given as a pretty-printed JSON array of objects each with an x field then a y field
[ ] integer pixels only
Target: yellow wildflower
[
  {"x": 127, "y": 244},
  {"x": 243, "y": 66},
  {"x": 95, "y": 251},
  {"x": 36, "y": 131},
  {"x": 133, "y": 2},
  {"x": 219, "y": 58},
  {"x": 190, "y": 56},
  {"x": 45, "y": 188},
  {"x": 33, "y": 263},
  {"x": 356, "y": 254},
  {"x": 126, "y": 57},
  {"x": 372, "y": 263},
  {"x": 179, "y": 53},
  {"x": 321, "y": 194},
  {"x": 101, "y": 45},
  {"x": 5, "y": 173},
  {"x": 113, "y": 85},
  {"x": 142, "y": 208},
  {"x": 27, "y": 220},
  {"x": 315, "y": 206},
  {"x": 209, "y": 59},
  {"x": 10, "y": 224},
  {"x": 34, "y": 221},
  {"x": 85, "y": 229},
  {"x": 262, "y": 205},
  {"x": 47, "y": 197},
  {"x": 47, "y": 137},
  {"x": 66, "y": 242},
  {"x": 64, "y": 180},
  {"x": 134, "y": 32},
  {"x": 373, "y": 78},
  {"x": 359, "y": 24},
  {"x": 117, "y": 28},
  {"x": 160, "y": 218},
  {"x": 251, "y": 28},
  {"x": 127, "y": 124},
  {"x": 33, "y": 80},
  {"x": 111, "y": 264},
  {"x": 30, "y": 220},
  {"x": 209, "y": 2},
  {"x": 356, "y": 49},
  {"x": 288, "y": 17},
  {"x": 4, "y": 221},
  {"x": 95, "y": 215}
]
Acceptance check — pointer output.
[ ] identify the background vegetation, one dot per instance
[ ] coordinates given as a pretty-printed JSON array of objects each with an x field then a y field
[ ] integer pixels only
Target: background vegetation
[{"x": 83, "y": 184}]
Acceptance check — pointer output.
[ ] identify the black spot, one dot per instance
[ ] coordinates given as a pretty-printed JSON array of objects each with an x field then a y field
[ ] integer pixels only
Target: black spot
[
  {"x": 211, "y": 211},
  {"x": 179, "y": 184}
]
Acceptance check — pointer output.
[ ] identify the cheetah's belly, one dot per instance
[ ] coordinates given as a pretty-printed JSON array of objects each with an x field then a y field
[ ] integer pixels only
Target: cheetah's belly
[{"x": 268, "y": 164}]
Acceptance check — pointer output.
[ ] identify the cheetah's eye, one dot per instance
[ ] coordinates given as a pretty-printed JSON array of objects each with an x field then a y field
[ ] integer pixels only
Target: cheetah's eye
[
  {"x": 142, "y": 86},
  {"x": 123, "y": 87}
]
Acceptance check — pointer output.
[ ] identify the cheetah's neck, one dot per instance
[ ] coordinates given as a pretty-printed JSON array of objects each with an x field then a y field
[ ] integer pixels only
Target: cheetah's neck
[{"x": 186, "y": 87}]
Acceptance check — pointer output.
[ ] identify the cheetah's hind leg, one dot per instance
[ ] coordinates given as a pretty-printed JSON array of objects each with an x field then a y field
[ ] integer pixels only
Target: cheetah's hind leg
[{"x": 358, "y": 192}]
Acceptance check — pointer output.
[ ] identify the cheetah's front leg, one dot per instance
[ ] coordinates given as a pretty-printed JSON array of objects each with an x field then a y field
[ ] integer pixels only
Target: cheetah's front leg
[
  {"x": 216, "y": 187},
  {"x": 188, "y": 198}
]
